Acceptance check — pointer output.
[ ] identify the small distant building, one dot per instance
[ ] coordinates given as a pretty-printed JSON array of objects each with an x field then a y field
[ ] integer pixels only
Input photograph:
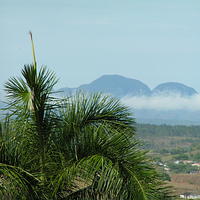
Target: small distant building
[
  {"x": 160, "y": 163},
  {"x": 189, "y": 196},
  {"x": 167, "y": 169},
  {"x": 177, "y": 162},
  {"x": 187, "y": 161},
  {"x": 196, "y": 165}
]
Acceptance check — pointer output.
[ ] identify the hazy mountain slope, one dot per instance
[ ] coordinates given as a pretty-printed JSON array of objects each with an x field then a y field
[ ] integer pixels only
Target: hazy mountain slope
[
  {"x": 115, "y": 85},
  {"x": 118, "y": 86},
  {"x": 65, "y": 91},
  {"x": 173, "y": 88}
]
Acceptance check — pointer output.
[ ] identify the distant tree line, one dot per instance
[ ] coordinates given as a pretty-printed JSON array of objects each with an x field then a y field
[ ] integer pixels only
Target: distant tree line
[{"x": 167, "y": 130}]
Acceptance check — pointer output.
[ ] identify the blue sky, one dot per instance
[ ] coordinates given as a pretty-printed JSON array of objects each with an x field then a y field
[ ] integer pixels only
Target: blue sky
[{"x": 154, "y": 41}]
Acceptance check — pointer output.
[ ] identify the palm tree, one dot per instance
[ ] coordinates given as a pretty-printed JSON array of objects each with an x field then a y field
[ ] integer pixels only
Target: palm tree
[{"x": 81, "y": 147}]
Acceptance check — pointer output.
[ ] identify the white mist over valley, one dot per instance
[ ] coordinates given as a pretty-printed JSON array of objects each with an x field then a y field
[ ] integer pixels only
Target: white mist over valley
[{"x": 163, "y": 102}]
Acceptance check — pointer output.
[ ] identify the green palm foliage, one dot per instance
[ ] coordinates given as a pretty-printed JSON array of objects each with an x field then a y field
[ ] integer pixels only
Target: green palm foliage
[{"x": 80, "y": 147}]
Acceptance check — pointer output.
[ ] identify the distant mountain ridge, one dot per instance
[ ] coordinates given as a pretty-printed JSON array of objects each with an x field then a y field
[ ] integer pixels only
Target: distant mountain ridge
[
  {"x": 120, "y": 87},
  {"x": 173, "y": 88}
]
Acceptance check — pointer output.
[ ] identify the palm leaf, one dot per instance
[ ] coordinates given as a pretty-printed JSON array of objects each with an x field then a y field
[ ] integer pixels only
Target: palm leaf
[{"x": 16, "y": 183}]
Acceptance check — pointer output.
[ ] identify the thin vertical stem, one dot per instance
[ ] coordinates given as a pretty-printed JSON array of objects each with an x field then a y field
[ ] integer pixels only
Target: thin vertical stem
[{"x": 33, "y": 50}]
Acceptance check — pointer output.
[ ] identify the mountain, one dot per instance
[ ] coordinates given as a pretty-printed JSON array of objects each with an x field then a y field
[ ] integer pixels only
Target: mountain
[
  {"x": 173, "y": 88},
  {"x": 66, "y": 91},
  {"x": 120, "y": 86},
  {"x": 115, "y": 85},
  {"x": 141, "y": 94}
]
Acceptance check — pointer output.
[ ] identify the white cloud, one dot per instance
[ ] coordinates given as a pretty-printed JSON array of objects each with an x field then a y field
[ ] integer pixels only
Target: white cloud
[{"x": 171, "y": 102}]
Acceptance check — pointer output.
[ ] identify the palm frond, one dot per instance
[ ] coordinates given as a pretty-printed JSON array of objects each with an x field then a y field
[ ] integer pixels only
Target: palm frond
[
  {"x": 15, "y": 183},
  {"x": 82, "y": 110},
  {"x": 112, "y": 163}
]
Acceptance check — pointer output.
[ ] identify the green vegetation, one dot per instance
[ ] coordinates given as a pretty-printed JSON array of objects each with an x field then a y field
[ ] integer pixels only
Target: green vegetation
[
  {"x": 177, "y": 146},
  {"x": 82, "y": 147},
  {"x": 167, "y": 130},
  {"x": 176, "y": 152},
  {"x": 183, "y": 168}
]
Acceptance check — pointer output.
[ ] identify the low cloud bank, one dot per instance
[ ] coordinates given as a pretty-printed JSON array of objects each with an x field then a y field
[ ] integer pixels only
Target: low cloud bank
[{"x": 170, "y": 102}]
